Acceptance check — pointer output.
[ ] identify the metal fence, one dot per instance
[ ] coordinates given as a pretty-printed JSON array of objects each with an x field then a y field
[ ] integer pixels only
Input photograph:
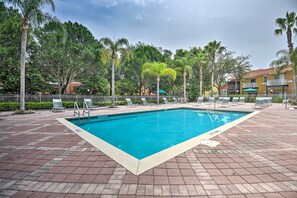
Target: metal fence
[{"x": 73, "y": 98}]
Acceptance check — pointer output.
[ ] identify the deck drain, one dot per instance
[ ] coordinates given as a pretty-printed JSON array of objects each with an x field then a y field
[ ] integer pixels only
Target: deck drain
[
  {"x": 215, "y": 132},
  {"x": 77, "y": 130}
]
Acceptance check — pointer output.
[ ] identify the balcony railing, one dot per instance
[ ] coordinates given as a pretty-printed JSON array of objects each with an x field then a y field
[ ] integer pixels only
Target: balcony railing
[
  {"x": 249, "y": 85},
  {"x": 277, "y": 82}
]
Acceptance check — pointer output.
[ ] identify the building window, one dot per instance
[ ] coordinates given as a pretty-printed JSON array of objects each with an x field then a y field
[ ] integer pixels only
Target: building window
[
  {"x": 253, "y": 80},
  {"x": 265, "y": 79}
]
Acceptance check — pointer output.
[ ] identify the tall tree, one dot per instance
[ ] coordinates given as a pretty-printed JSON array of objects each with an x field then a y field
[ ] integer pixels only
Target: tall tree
[
  {"x": 213, "y": 49},
  {"x": 201, "y": 59},
  {"x": 132, "y": 65},
  {"x": 31, "y": 11},
  {"x": 240, "y": 68},
  {"x": 224, "y": 66},
  {"x": 288, "y": 25},
  {"x": 113, "y": 48},
  {"x": 283, "y": 59},
  {"x": 157, "y": 70},
  {"x": 184, "y": 64},
  {"x": 66, "y": 50}
]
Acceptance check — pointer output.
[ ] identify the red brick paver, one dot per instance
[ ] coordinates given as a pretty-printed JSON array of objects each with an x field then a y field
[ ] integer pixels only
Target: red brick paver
[{"x": 42, "y": 158}]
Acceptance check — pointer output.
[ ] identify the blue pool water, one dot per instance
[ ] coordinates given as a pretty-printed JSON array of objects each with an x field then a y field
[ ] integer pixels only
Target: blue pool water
[{"x": 146, "y": 133}]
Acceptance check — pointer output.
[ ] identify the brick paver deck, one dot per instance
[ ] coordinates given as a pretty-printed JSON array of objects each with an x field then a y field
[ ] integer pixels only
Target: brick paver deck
[{"x": 42, "y": 158}]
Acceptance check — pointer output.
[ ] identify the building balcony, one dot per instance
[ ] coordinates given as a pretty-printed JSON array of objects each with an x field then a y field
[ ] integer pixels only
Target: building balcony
[
  {"x": 278, "y": 82},
  {"x": 249, "y": 85}
]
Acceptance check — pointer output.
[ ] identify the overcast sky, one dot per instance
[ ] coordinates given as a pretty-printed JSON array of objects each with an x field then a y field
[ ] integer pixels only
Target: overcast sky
[{"x": 243, "y": 26}]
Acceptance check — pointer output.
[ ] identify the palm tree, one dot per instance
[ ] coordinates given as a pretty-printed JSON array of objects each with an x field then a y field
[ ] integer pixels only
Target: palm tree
[
  {"x": 157, "y": 70},
  {"x": 184, "y": 64},
  {"x": 200, "y": 59},
  {"x": 31, "y": 11},
  {"x": 285, "y": 58},
  {"x": 212, "y": 49},
  {"x": 287, "y": 25},
  {"x": 113, "y": 48}
]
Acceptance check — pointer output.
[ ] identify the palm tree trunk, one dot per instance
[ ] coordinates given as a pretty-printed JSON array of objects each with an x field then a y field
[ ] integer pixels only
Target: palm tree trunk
[
  {"x": 112, "y": 81},
  {"x": 294, "y": 83},
  {"x": 185, "y": 86},
  {"x": 158, "y": 83},
  {"x": 212, "y": 78},
  {"x": 200, "y": 80},
  {"x": 23, "y": 66}
]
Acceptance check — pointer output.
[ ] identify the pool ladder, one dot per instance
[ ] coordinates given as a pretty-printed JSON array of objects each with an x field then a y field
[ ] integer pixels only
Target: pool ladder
[{"x": 86, "y": 110}]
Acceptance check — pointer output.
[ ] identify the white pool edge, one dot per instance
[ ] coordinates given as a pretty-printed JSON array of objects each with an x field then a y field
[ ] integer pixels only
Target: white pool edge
[{"x": 136, "y": 166}]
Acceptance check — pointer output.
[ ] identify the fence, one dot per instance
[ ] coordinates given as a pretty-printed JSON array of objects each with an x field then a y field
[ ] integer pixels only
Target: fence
[{"x": 73, "y": 98}]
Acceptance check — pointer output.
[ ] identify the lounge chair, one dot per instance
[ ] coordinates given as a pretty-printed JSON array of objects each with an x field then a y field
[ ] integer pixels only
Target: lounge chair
[
  {"x": 241, "y": 100},
  {"x": 225, "y": 102},
  {"x": 57, "y": 105},
  {"x": 89, "y": 103},
  {"x": 211, "y": 99},
  {"x": 220, "y": 100},
  {"x": 234, "y": 101},
  {"x": 165, "y": 101},
  {"x": 144, "y": 102},
  {"x": 129, "y": 102},
  {"x": 260, "y": 103},
  {"x": 174, "y": 100},
  {"x": 199, "y": 100}
]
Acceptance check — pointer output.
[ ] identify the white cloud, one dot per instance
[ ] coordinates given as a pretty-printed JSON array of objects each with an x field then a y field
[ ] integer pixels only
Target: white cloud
[
  {"x": 139, "y": 17},
  {"x": 112, "y": 3}
]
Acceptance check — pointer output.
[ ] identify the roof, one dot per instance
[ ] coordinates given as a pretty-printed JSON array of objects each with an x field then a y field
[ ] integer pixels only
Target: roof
[{"x": 268, "y": 71}]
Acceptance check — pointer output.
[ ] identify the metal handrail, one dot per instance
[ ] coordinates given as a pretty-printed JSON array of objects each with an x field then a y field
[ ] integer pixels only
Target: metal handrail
[
  {"x": 86, "y": 109},
  {"x": 76, "y": 110}
]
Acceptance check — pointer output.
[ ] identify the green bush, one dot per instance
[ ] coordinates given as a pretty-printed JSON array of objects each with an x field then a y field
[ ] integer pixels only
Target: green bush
[
  {"x": 12, "y": 106},
  {"x": 278, "y": 99}
]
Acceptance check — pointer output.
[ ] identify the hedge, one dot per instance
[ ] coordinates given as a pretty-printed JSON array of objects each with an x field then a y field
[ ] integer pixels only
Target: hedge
[{"x": 12, "y": 106}]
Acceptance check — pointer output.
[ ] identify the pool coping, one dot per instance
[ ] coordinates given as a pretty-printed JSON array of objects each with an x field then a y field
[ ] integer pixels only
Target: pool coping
[{"x": 137, "y": 166}]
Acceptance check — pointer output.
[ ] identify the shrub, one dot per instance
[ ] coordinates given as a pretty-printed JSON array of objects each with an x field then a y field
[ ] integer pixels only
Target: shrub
[
  {"x": 13, "y": 106},
  {"x": 278, "y": 99}
]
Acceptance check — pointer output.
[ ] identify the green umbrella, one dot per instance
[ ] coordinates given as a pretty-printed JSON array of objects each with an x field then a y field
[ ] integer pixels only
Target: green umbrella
[
  {"x": 161, "y": 91},
  {"x": 250, "y": 90}
]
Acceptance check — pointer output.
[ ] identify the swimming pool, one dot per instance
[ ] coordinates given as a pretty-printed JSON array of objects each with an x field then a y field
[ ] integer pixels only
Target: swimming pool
[
  {"x": 146, "y": 133},
  {"x": 142, "y": 140}
]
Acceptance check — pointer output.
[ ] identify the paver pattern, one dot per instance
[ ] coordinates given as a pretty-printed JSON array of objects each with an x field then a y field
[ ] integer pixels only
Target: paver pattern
[{"x": 40, "y": 157}]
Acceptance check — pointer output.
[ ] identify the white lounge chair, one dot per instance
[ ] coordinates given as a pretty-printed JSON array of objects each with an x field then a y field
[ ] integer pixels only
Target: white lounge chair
[
  {"x": 57, "y": 105},
  {"x": 200, "y": 100},
  {"x": 241, "y": 100},
  {"x": 89, "y": 103},
  {"x": 220, "y": 100},
  {"x": 235, "y": 101},
  {"x": 144, "y": 102},
  {"x": 211, "y": 99},
  {"x": 259, "y": 104},
  {"x": 174, "y": 100},
  {"x": 225, "y": 102},
  {"x": 165, "y": 101},
  {"x": 129, "y": 102}
]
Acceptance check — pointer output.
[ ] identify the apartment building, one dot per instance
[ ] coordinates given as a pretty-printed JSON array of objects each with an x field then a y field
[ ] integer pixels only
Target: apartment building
[
  {"x": 264, "y": 82},
  {"x": 271, "y": 81}
]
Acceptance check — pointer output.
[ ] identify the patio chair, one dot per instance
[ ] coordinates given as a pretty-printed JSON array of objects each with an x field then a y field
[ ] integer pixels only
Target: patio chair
[
  {"x": 174, "y": 100},
  {"x": 241, "y": 100},
  {"x": 235, "y": 101},
  {"x": 57, "y": 105},
  {"x": 211, "y": 100},
  {"x": 165, "y": 101},
  {"x": 220, "y": 100},
  {"x": 144, "y": 102},
  {"x": 199, "y": 100},
  {"x": 260, "y": 103},
  {"x": 225, "y": 102},
  {"x": 129, "y": 102},
  {"x": 89, "y": 103}
]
